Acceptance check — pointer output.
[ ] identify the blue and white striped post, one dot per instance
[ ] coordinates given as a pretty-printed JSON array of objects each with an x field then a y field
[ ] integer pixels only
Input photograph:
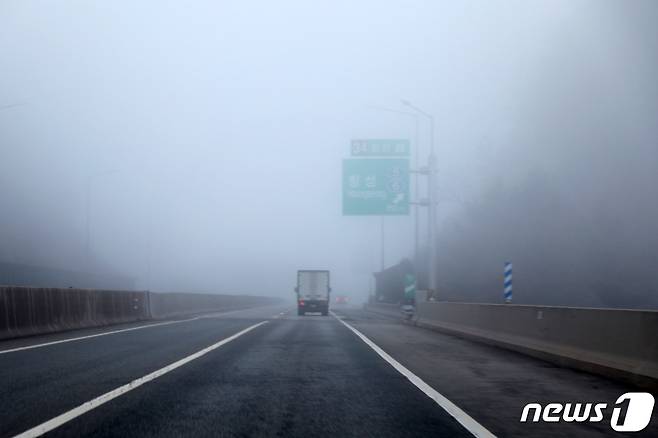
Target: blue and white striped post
[{"x": 508, "y": 282}]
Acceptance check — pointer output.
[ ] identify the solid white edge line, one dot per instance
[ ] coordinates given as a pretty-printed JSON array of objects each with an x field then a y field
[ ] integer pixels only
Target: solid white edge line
[
  {"x": 79, "y": 338},
  {"x": 462, "y": 417},
  {"x": 61, "y": 341},
  {"x": 98, "y": 401}
]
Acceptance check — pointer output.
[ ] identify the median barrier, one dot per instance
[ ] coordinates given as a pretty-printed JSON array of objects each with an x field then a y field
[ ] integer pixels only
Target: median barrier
[
  {"x": 28, "y": 311},
  {"x": 617, "y": 343}
]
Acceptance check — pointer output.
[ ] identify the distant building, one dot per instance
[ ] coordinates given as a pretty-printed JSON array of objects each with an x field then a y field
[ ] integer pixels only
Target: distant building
[{"x": 389, "y": 283}]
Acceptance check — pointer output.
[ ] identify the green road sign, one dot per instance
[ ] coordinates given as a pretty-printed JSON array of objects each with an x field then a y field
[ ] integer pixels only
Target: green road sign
[
  {"x": 376, "y": 186},
  {"x": 373, "y": 147},
  {"x": 410, "y": 287}
]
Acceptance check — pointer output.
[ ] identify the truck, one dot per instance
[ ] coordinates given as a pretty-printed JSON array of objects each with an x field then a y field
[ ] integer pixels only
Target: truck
[{"x": 313, "y": 290}]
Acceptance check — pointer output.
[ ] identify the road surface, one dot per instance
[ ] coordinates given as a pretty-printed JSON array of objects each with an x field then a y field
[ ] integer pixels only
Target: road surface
[{"x": 269, "y": 372}]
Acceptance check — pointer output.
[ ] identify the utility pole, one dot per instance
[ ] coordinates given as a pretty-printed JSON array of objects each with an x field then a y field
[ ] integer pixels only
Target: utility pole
[
  {"x": 90, "y": 180},
  {"x": 88, "y": 224}
]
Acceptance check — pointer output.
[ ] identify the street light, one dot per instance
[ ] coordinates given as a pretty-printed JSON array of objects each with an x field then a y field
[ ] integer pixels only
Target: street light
[
  {"x": 431, "y": 198},
  {"x": 90, "y": 180},
  {"x": 415, "y": 117}
]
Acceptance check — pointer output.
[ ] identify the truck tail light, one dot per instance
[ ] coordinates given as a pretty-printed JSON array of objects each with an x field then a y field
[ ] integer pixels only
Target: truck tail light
[{"x": 301, "y": 302}]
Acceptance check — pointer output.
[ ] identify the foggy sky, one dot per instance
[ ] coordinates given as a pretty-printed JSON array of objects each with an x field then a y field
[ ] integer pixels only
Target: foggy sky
[{"x": 210, "y": 136}]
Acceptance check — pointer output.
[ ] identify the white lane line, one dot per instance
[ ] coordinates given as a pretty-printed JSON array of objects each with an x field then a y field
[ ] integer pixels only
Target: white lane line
[
  {"x": 98, "y": 401},
  {"x": 462, "y": 417},
  {"x": 279, "y": 315},
  {"x": 61, "y": 341},
  {"x": 113, "y": 332}
]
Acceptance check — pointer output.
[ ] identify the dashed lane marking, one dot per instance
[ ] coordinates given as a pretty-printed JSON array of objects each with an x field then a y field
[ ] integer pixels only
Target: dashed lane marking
[
  {"x": 98, "y": 401},
  {"x": 280, "y": 315}
]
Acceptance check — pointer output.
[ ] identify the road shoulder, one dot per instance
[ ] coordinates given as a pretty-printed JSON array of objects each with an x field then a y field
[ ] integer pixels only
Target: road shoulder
[{"x": 491, "y": 384}]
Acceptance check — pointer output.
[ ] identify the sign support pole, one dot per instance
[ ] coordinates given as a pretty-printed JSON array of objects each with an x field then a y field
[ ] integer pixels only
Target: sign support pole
[{"x": 432, "y": 201}]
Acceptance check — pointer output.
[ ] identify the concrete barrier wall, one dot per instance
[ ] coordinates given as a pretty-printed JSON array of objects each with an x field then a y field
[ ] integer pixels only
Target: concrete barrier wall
[
  {"x": 166, "y": 305},
  {"x": 28, "y": 311},
  {"x": 614, "y": 342}
]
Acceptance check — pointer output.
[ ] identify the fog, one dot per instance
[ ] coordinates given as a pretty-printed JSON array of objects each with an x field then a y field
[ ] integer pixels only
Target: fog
[{"x": 208, "y": 139}]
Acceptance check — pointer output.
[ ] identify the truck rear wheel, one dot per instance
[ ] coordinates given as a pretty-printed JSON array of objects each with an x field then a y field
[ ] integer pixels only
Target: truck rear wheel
[
  {"x": 325, "y": 312},
  {"x": 300, "y": 312}
]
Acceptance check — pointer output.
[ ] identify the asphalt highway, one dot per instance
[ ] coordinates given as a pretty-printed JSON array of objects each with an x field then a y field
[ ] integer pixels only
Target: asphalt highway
[
  {"x": 269, "y": 372},
  {"x": 291, "y": 376}
]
